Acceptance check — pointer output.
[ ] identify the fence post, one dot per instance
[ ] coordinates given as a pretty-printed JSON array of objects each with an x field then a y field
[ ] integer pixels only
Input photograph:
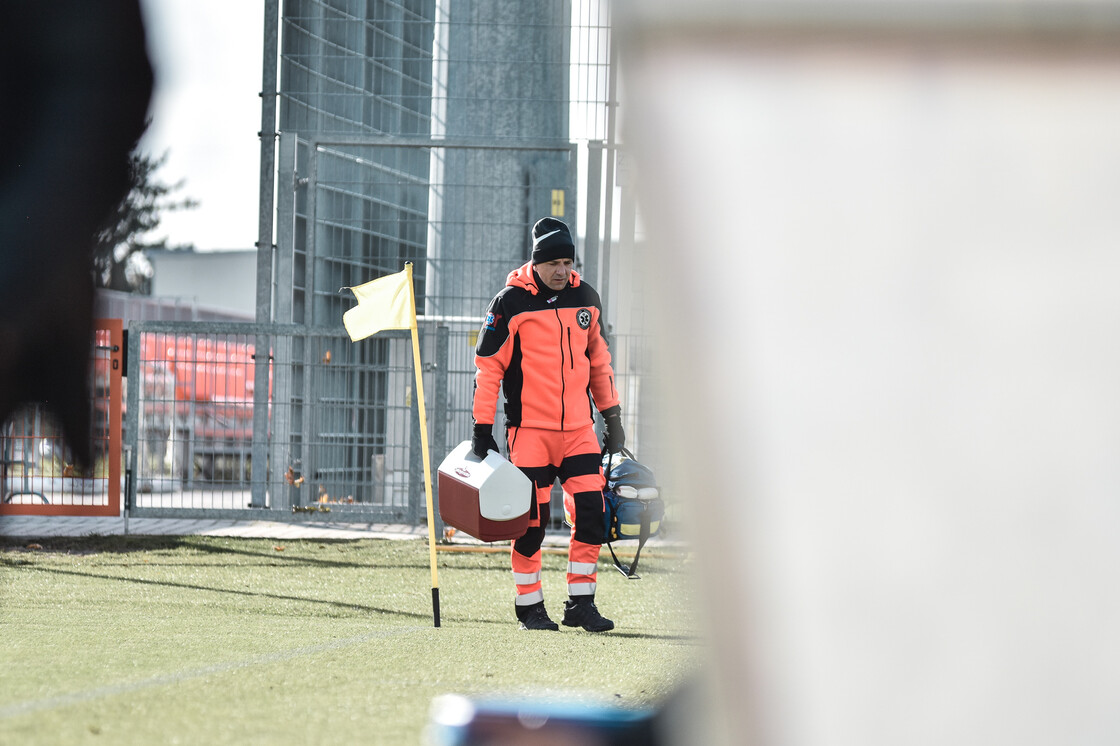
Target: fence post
[
  {"x": 439, "y": 421},
  {"x": 259, "y": 451},
  {"x": 262, "y": 361},
  {"x": 132, "y": 416},
  {"x": 280, "y": 446},
  {"x": 416, "y": 507},
  {"x": 591, "y": 230}
]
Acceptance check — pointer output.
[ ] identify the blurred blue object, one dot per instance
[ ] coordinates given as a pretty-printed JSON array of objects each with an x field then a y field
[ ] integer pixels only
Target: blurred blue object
[{"x": 459, "y": 721}]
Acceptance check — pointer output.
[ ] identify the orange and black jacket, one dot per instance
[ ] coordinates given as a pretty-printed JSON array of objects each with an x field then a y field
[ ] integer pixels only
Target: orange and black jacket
[{"x": 547, "y": 351}]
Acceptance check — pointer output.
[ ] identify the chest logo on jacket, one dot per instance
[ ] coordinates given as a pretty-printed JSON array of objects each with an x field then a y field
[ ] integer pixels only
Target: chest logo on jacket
[{"x": 583, "y": 318}]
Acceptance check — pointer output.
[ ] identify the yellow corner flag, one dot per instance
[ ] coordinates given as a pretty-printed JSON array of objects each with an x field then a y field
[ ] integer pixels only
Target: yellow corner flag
[
  {"x": 388, "y": 303},
  {"x": 384, "y": 303}
]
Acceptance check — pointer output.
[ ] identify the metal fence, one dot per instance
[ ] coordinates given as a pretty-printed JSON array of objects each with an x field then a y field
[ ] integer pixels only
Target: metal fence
[
  {"x": 418, "y": 131},
  {"x": 197, "y": 447}
]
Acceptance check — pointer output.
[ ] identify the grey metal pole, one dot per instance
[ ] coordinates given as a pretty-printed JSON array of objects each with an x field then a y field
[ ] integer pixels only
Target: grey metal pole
[
  {"x": 259, "y": 479},
  {"x": 612, "y": 151},
  {"x": 627, "y": 215},
  {"x": 439, "y": 421},
  {"x": 267, "y": 136},
  {"x": 593, "y": 225},
  {"x": 132, "y": 419},
  {"x": 303, "y": 354},
  {"x": 287, "y": 184},
  {"x": 281, "y": 439},
  {"x": 416, "y": 495}
]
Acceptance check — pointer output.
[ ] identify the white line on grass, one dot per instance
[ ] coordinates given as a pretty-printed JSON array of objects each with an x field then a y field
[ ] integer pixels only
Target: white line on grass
[{"x": 65, "y": 700}]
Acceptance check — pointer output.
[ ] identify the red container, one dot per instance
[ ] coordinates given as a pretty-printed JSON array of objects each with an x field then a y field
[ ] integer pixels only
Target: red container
[{"x": 487, "y": 499}]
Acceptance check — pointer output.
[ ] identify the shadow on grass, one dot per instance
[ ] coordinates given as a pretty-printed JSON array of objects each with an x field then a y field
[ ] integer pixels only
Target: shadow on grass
[
  {"x": 545, "y": 635},
  {"x": 454, "y": 561},
  {"x": 123, "y": 545},
  {"x": 249, "y": 594},
  {"x": 284, "y": 558},
  {"x": 268, "y": 555},
  {"x": 679, "y": 637},
  {"x": 94, "y": 544}
]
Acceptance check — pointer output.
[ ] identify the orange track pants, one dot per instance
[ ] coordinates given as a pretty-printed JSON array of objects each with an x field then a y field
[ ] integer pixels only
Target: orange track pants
[{"x": 574, "y": 458}]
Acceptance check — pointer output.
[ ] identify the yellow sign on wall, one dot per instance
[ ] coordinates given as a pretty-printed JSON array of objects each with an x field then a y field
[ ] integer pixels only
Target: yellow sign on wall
[{"x": 557, "y": 203}]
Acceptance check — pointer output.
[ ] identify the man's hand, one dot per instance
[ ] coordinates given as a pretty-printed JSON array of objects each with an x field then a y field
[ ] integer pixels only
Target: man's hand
[
  {"x": 483, "y": 440},
  {"x": 614, "y": 437}
]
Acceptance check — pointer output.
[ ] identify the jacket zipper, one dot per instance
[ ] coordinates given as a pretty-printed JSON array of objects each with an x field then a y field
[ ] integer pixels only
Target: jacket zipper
[{"x": 562, "y": 377}]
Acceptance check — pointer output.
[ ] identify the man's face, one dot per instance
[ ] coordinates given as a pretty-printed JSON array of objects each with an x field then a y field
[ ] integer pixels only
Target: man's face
[{"x": 555, "y": 273}]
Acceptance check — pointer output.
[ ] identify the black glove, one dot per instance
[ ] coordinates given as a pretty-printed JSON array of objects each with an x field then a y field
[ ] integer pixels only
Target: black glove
[
  {"x": 614, "y": 437},
  {"x": 483, "y": 440}
]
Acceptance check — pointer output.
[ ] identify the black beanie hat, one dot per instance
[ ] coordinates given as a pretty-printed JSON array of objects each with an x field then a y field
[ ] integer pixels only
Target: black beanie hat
[{"x": 551, "y": 240}]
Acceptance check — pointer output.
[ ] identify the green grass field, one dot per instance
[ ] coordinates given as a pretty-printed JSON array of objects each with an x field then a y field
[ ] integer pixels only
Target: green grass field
[{"x": 145, "y": 640}]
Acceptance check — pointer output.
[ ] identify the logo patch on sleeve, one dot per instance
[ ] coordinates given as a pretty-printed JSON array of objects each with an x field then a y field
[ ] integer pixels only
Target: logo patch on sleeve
[
  {"x": 491, "y": 321},
  {"x": 583, "y": 318}
]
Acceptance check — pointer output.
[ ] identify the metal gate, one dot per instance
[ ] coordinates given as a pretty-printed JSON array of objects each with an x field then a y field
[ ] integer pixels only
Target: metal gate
[{"x": 38, "y": 475}]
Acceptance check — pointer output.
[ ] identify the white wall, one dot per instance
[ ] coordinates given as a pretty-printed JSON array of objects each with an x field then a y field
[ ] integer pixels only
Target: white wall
[
  {"x": 222, "y": 280},
  {"x": 893, "y": 348}
]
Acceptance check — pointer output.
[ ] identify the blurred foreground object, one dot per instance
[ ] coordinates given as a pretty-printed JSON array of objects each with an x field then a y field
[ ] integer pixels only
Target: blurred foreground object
[
  {"x": 75, "y": 83},
  {"x": 894, "y": 229},
  {"x": 681, "y": 718},
  {"x": 461, "y": 721}
]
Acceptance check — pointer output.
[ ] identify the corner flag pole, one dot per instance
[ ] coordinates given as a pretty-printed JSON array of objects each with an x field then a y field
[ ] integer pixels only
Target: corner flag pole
[
  {"x": 382, "y": 305},
  {"x": 424, "y": 445}
]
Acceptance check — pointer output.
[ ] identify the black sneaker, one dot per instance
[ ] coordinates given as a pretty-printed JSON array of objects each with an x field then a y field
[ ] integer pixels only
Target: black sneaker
[
  {"x": 580, "y": 611},
  {"x": 535, "y": 617}
]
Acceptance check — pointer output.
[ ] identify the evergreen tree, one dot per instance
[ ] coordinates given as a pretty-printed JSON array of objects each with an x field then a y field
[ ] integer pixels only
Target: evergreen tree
[{"x": 119, "y": 262}]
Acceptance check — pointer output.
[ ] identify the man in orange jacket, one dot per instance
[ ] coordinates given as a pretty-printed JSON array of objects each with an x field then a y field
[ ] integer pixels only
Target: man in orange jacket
[{"x": 542, "y": 343}]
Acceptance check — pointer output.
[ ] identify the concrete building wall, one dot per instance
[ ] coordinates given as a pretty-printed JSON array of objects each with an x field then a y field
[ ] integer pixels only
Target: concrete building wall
[
  {"x": 495, "y": 71},
  {"x": 506, "y": 81},
  {"x": 351, "y": 68},
  {"x": 221, "y": 280}
]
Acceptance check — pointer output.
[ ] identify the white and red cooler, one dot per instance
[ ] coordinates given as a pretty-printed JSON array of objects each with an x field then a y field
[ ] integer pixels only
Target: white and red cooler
[{"x": 488, "y": 499}]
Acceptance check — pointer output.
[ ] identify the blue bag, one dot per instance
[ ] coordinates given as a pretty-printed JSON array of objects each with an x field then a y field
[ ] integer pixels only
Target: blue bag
[
  {"x": 633, "y": 500},
  {"x": 633, "y": 508}
]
